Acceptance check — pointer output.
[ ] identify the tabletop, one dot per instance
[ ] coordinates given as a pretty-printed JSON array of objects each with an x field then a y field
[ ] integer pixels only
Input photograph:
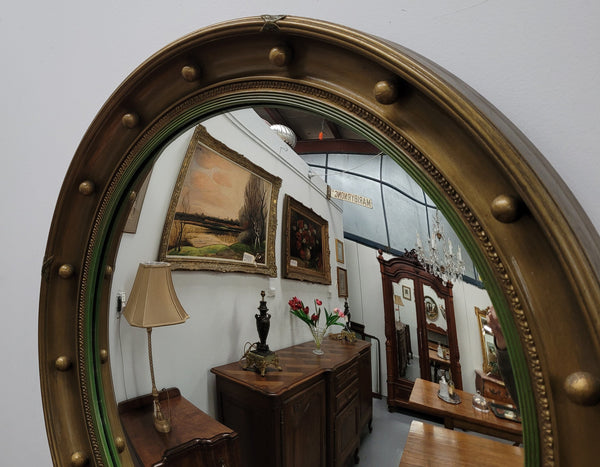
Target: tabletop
[
  {"x": 298, "y": 364},
  {"x": 434, "y": 445},
  {"x": 424, "y": 397}
]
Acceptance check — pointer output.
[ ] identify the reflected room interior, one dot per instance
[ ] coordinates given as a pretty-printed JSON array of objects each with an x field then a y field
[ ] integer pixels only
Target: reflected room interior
[{"x": 418, "y": 327}]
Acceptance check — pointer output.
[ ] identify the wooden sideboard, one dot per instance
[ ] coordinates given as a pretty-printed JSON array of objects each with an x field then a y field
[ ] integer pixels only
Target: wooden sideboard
[
  {"x": 195, "y": 439},
  {"x": 492, "y": 388},
  {"x": 311, "y": 413}
]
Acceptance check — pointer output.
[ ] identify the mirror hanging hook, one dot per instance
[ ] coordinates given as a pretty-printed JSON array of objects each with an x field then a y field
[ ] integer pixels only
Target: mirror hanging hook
[{"x": 271, "y": 22}]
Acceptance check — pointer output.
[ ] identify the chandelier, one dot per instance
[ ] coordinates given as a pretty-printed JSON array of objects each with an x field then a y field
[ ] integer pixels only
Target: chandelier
[{"x": 438, "y": 257}]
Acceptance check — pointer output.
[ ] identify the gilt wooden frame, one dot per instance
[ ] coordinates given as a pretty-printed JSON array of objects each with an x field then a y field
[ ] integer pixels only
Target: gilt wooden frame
[
  {"x": 213, "y": 155},
  {"x": 305, "y": 247}
]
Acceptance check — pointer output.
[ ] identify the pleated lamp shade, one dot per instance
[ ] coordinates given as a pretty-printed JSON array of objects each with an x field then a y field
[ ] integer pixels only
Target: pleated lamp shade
[{"x": 153, "y": 301}]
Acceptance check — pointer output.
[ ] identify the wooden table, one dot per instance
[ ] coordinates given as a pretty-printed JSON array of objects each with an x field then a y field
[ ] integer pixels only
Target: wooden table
[
  {"x": 433, "y": 445},
  {"x": 195, "y": 439},
  {"x": 425, "y": 399}
]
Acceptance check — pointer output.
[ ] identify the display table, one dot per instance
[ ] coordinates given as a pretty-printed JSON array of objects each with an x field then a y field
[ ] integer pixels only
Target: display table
[
  {"x": 424, "y": 398},
  {"x": 309, "y": 414},
  {"x": 195, "y": 439},
  {"x": 433, "y": 445}
]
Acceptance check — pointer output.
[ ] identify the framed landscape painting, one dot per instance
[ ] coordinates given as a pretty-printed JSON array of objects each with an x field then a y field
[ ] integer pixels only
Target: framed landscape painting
[
  {"x": 223, "y": 212},
  {"x": 305, "y": 252}
]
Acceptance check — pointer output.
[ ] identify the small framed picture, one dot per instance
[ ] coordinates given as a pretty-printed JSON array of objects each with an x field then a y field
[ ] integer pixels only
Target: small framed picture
[
  {"x": 339, "y": 251},
  {"x": 342, "y": 281},
  {"x": 136, "y": 206},
  {"x": 406, "y": 293}
]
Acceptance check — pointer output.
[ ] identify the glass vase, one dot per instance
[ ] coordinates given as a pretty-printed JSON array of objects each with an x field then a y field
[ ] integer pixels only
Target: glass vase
[{"x": 318, "y": 335}]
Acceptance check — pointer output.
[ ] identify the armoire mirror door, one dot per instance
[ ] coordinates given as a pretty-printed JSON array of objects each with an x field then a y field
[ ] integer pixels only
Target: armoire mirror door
[
  {"x": 436, "y": 306},
  {"x": 416, "y": 303}
]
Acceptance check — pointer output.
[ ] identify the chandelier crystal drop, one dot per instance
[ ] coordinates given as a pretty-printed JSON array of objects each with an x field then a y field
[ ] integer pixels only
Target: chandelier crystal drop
[{"x": 438, "y": 257}]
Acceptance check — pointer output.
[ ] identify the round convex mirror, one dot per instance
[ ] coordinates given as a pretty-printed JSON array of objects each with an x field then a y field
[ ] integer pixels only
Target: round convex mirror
[{"x": 535, "y": 254}]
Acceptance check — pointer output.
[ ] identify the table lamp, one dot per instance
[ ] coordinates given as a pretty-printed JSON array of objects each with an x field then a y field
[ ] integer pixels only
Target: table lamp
[{"x": 153, "y": 303}]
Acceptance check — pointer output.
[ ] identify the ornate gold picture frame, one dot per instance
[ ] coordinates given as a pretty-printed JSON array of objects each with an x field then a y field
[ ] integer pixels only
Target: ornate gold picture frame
[
  {"x": 223, "y": 212},
  {"x": 342, "y": 282},
  {"x": 305, "y": 252},
  {"x": 136, "y": 207},
  {"x": 339, "y": 251},
  {"x": 406, "y": 294},
  {"x": 431, "y": 309},
  {"x": 488, "y": 347}
]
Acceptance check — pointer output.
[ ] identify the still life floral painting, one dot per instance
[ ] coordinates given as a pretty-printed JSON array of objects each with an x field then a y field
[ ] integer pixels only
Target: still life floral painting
[{"x": 306, "y": 244}]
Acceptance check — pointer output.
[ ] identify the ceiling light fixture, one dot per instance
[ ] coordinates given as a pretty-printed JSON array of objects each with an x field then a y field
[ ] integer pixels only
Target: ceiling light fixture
[
  {"x": 285, "y": 133},
  {"x": 438, "y": 257}
]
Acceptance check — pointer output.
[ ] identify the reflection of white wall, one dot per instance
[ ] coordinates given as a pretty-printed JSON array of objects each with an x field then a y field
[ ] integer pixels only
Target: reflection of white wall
[
  {"x": 466, "y": 298},
  {"x": 221, "y": 306},
  {"x": 366, "y": 301},
  {"x": 366, "y": 306}
]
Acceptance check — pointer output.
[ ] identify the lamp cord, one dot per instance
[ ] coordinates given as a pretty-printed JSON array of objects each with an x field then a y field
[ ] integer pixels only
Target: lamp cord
[{"x": 248, "y": 347}]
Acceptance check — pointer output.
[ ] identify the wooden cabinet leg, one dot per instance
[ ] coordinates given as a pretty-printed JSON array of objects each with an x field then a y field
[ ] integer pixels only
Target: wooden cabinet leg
[{"x": 449, "y": 423}]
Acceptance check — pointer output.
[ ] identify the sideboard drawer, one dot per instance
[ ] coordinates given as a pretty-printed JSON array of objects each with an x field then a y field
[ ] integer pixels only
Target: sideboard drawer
[
  {"x": 347, "y": 394},
  {"x": 346, "y": 377}
]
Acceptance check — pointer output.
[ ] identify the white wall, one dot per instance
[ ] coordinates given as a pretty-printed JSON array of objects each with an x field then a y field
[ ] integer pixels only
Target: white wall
[
  {"x": 466, "y": 298},
  {"x": 537, "y": 61},
  {"x": 221, "y": 306}
]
